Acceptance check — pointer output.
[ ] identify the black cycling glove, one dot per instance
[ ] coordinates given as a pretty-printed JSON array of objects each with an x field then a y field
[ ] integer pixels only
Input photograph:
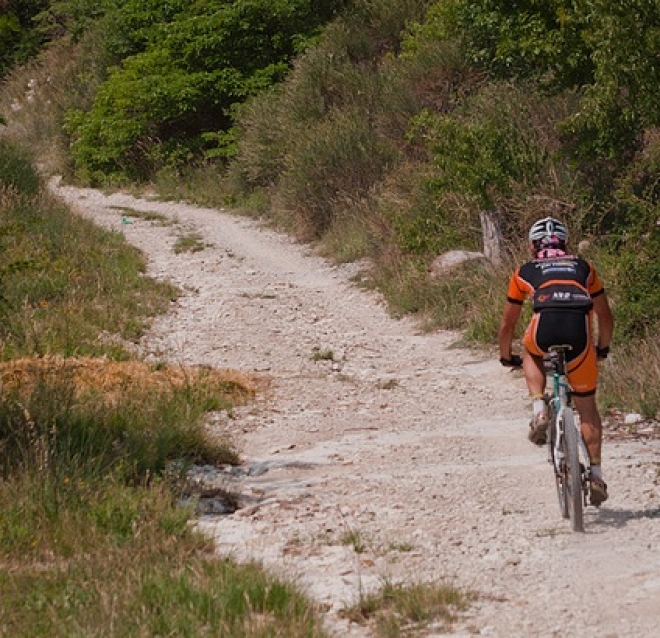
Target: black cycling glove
[
  {"x": 514, "y": 361},
  {"x": 602, "y": 353}
]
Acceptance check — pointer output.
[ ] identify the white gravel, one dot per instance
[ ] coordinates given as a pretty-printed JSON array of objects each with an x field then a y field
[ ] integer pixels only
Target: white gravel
[{"x": 404, "y": 442}]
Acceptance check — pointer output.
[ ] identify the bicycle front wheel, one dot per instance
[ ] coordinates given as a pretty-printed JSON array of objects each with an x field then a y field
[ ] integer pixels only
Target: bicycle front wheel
[
  {"x": 558, "y": 464},
  {"x": 573, "y": 473}
]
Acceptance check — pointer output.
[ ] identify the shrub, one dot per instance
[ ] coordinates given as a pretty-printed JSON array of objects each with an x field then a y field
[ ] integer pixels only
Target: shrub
[
  {"x": 131, "y": 111},
  {"x": 321, "y": 143},
  {"x": 632, "y": 377},
  {"x": 334, "y": 165},
  {"x": 605, "y": 48}
]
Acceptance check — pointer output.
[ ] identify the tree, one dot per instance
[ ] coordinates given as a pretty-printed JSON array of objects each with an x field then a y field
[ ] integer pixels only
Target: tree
[
  {"x": 19, "y": 36},
  {"x": 168, "y": 100},
  {"x": 608, "y": 49}
]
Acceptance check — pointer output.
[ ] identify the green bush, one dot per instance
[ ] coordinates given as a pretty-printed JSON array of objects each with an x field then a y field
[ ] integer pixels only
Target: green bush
[
  {"x": 20, "y": 38},
  {"x": 490, "y": 146},
  {"x": 495, "y": 151},
  {"x": 172, "y": 99},
  {"x": 633, "y": 279},
  {"x": 120, "y": 134}
]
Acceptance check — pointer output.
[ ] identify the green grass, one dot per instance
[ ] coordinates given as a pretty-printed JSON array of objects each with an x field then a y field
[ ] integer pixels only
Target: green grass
[
  {"x": 91, "y": 533},
  {"x": 148, "y": 216},
  {"x": 64, "y": 282},
  {"x": 409, "y": 609},
  {"x": 321, "y": 354},
  {"x": 119, "y": 561},
  {"x": 189, "y": 243},
  {"x": 355, "y": 539}
]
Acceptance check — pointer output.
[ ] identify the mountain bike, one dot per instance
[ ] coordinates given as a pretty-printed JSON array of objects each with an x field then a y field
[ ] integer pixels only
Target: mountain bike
[{"x": 566, "y": 448}]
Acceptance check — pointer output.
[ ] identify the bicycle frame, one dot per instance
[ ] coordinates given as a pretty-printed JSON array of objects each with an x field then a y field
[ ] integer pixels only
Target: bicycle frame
[{"x": 557, "y": 401}]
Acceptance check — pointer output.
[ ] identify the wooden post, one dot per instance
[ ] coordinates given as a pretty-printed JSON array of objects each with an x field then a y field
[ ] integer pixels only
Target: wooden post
[{"x": 492, "y": 236}]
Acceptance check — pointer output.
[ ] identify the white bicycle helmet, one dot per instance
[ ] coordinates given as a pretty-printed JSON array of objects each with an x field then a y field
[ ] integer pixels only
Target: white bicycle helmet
[{"x": 548, "y": 232}]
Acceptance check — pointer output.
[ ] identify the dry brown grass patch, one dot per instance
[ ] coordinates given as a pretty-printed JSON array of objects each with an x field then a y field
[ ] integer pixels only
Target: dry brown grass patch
[{"x": 112, "y": 378}]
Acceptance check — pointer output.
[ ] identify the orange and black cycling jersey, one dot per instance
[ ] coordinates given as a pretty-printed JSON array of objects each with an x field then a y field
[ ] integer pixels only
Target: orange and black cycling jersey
[
  {"x": 561, "y": 290},
  {"x": 559, "y": 282}
]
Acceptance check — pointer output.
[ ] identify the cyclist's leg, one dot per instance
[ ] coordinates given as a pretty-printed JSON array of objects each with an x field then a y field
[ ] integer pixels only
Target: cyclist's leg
[
  {"x": 534, "y": 373},
  {"x": 592, "y": 433},
  {"x": 533, "y": 359},
  {"x": 583, "y": 377},
  {"x": 592, "y": 429},
  {"x": 535, "y": 379}
]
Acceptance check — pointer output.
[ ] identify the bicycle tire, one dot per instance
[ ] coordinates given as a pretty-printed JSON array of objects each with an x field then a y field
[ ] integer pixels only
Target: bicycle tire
[
  {"x": 559, "y": 469},
  {"x": 573, "y": 472}
]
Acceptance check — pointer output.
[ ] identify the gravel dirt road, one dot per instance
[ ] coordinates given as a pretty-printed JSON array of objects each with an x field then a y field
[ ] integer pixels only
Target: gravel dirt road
[{"x": 408, "y": 445}]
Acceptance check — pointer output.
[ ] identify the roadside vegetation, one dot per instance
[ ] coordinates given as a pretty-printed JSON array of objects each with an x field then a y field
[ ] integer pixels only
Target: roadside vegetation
[
  {"x": 95, "y": 444},
  {"x": 418, "y": 608},
  {"x": 96, "y": 512}
]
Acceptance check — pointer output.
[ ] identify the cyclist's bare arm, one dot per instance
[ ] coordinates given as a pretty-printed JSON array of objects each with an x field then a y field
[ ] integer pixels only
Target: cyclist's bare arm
[
  {"x": 507, "y": 328},
  {"x": 605, "y": 320}
]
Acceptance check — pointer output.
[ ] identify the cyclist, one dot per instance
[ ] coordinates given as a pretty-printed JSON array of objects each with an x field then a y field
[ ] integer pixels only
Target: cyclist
[{"x": 566, "y": 292}]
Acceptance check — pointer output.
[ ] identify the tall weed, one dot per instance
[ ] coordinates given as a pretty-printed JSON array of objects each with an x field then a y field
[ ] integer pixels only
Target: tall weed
[
  {"x": 377, "y": 26},
  {"x": 631, "y": 377},
  {"x": 63, "y": 418},
  {"x": 329, "y": 110},
  {"x": 260, "y": 158},
  {"x": 324, "y": 81},
  {"x": 16, "y": 171}
]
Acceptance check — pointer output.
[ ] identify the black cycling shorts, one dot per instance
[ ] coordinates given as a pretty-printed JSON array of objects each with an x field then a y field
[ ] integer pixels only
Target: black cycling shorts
[{"x": 563, "y": 327}]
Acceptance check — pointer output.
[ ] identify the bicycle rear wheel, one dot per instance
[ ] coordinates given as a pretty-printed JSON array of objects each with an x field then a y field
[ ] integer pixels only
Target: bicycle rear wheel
[{"x": 573, "y": 473}]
